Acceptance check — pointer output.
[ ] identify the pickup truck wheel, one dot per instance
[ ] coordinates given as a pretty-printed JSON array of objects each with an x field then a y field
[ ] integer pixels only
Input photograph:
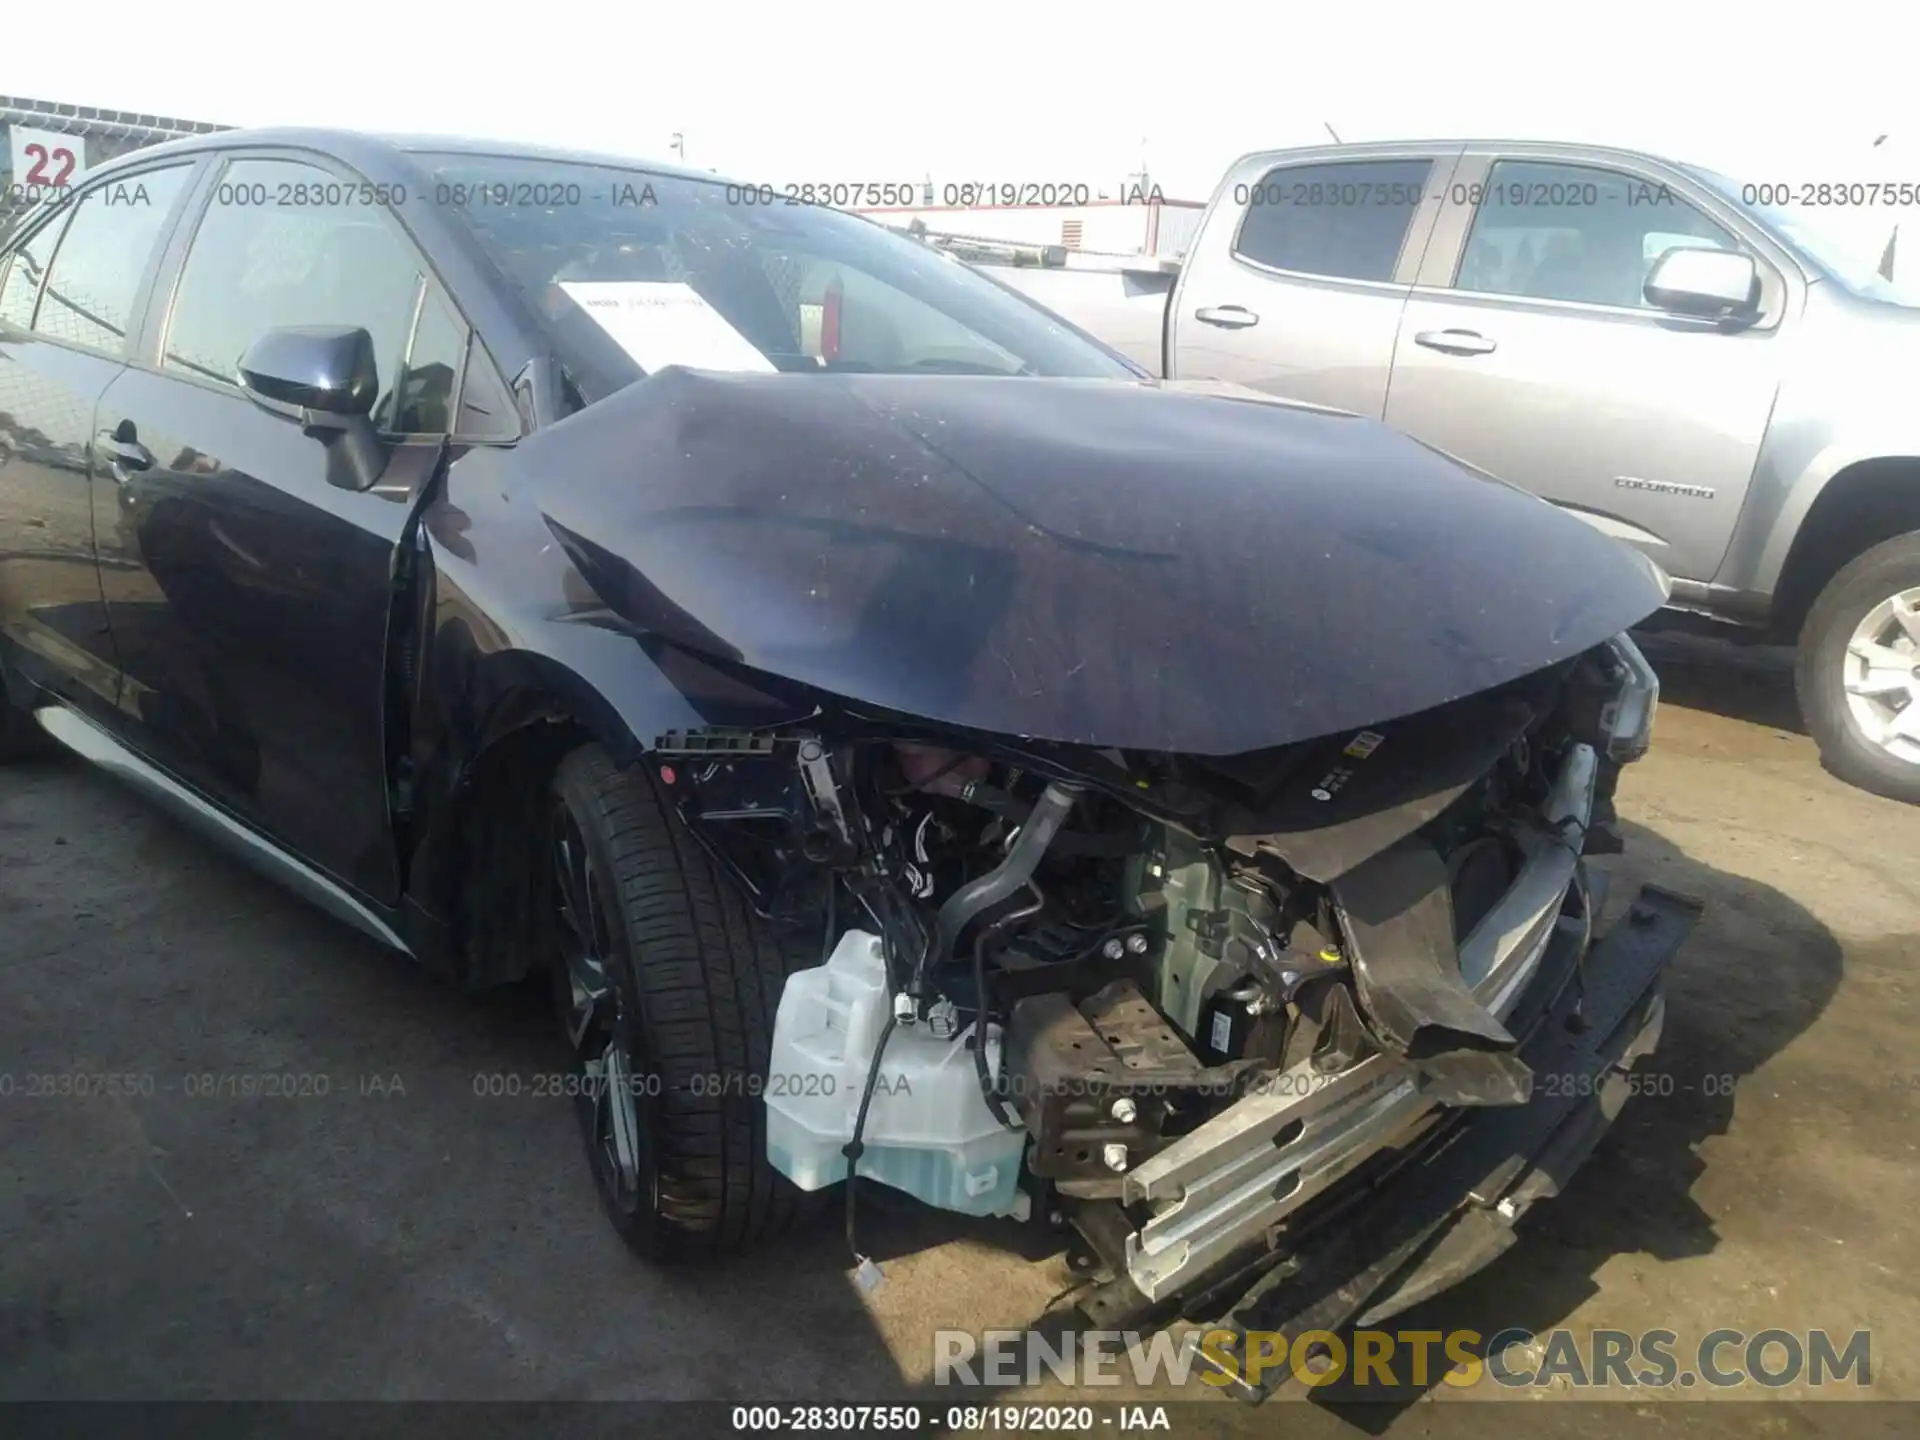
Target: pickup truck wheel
[
  {"x": 667, "y": 984},
  {"x": 1858, "y": 670}
]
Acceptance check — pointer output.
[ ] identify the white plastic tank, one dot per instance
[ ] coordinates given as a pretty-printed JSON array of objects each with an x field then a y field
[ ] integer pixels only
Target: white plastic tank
[{"x": 929, "y": 1131}]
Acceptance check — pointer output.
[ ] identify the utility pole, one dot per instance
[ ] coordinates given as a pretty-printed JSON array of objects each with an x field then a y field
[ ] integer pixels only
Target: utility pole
[
  {"x": 1140, "y": 182},
  {"x": 679, "y": 145}
]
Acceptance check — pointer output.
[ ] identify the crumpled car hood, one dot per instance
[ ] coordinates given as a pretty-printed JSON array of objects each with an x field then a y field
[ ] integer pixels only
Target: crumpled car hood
[{"x": 1095, "y": 562}]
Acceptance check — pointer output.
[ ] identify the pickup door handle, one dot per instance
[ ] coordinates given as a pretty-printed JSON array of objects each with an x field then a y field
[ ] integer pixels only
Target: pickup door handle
[
  {"x": 1228, "y": 317},
  {"x": 1455, "y": 342},
  {"x": 122, "y": 456}
]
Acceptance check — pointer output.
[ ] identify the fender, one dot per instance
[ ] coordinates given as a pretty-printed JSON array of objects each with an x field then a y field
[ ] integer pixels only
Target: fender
[
  {"x": 516, "y": 650},
  {"x": 1778, "y": 506},
  {"x": 1844, "y": 403}
]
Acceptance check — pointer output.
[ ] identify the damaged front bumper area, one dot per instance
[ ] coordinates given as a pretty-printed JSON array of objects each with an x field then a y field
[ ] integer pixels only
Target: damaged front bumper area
[
  {"x": 1448, "y": 1209},
  {"x": 1246, "y": 1218}
]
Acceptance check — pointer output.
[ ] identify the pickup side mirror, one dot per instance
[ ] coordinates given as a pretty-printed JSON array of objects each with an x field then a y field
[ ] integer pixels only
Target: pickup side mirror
[
  {"x": 1690, "y": 280},
  {"x": 326, "y": 378}
]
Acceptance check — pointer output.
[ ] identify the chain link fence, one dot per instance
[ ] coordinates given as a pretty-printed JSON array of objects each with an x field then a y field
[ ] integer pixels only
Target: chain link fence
[{"x": 46, "y": 147}]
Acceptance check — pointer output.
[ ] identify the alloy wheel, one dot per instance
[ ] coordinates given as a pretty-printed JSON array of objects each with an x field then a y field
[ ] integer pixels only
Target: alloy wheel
[
  {"x": 1881, "y": 675},
  {"x": 598, "y": 1021}
]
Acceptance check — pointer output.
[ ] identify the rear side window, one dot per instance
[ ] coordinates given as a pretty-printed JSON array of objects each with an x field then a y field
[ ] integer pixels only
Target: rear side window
[
  {"x": 22, "y": 285},
  {"x": 1346, "y": 221},
  {"x": 255, "y": 266},
  {"x": 103, "y": 257}
]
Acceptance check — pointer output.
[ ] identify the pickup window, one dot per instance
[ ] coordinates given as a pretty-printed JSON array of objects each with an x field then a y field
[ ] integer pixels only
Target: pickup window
[
  {"x": 1346, "y": 221},
  {"x": 1574, "y": 232}
]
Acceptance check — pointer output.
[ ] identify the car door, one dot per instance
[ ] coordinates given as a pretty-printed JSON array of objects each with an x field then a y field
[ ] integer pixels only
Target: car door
[
  {"x": 248, "y": 596},
  {"x": 1528, "y": 349},
  {"x": 68, "y": 297},
  {"x": 1296, "y": 284}
]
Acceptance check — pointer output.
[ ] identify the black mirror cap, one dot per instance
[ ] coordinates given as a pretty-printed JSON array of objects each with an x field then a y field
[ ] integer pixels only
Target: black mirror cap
[
  {"x": 326, "y": 368},
  {"x": 1692, "y": 280}
]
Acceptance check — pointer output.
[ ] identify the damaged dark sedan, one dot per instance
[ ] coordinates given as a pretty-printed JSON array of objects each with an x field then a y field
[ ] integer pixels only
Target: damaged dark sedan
[{"x": 911, "y": 740}]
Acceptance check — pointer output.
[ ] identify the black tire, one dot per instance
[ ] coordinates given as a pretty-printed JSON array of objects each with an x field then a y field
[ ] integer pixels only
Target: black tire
[
  {"x": 21, "y": 737},
  {"x": 694, "y": 980},
  {"x": 1819, "y": 670}
]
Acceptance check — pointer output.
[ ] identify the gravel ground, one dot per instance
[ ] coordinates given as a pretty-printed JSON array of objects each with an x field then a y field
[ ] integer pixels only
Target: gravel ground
[{"x": 385, "y": 1231}]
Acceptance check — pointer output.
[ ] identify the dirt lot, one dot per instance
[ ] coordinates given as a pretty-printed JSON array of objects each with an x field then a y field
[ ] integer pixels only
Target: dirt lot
[{"x": 400, "y": 1236}]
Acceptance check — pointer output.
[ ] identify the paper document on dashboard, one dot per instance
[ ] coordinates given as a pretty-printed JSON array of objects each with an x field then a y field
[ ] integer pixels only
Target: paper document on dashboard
[{"x": 665, "y": 322}]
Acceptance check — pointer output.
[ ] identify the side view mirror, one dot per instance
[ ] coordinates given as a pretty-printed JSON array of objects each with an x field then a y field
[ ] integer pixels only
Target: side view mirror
[
  {"x": 1720, "y": 284},
  {"x": 326, "y": 378},
  {"x": 328, "y": 368}
]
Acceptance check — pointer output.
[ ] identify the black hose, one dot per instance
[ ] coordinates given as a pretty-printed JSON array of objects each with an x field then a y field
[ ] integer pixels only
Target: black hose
[
  {"x": 853, "y": 1149},
  {"x": 1049, "y": 814},
  {"x": 990, "y": 1083},
  {"x": 826, "y": 942}
]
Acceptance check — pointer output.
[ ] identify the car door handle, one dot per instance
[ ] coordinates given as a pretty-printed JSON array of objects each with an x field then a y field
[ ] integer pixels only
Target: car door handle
[
  {"x": 1456, "y": 342},
  {"x": 122, "y": 456},
  {"x": 1227, "y": 317}
]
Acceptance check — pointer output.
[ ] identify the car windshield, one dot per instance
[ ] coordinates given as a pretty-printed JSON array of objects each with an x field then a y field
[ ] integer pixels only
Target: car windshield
[
  {"x": 636, "y": 270},
  {"x": 1840, "y": 262}
]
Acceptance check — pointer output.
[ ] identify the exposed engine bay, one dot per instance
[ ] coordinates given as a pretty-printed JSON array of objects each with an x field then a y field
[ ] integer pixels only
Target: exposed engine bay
[{"x": 1165, "y": 955}]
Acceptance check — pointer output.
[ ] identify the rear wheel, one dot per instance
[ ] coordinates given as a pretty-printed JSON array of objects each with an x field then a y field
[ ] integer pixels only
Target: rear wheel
[
  {"x": 1858, "y": 671},
  {"x": 667, "y": 984},
  {"x": 21, "y": 737}
]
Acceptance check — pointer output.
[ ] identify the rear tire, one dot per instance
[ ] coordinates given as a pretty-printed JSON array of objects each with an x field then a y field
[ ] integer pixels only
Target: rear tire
[
  {"x": 21, "y": 737},
  {"x": 677, "y": 1016},
  {"x": 1859, "y": 739}
]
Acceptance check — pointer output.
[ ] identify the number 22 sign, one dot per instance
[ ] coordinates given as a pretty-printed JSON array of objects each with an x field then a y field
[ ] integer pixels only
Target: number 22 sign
[{"x": 46, "y": 161}]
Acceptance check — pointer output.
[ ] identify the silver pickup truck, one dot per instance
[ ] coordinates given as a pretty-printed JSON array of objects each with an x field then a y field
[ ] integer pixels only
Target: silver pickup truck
[{"x": 1629, "y": 337}]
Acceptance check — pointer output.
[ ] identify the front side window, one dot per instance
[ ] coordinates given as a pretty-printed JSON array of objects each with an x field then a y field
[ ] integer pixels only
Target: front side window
[
  {"x": 425, "y": 397},
  {"x": 487, "y": 411},
  {"x": 1573, "y": 232},
  {"x": 256, "y": 266},
  {"x": 1346, "y": 221},
  {"x": 96, "y": 273},
  {"x": 634, "y": 270}
]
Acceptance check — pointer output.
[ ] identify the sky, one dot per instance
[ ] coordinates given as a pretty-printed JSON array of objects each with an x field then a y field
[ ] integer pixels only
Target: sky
[{"x": 789, "y": 92}]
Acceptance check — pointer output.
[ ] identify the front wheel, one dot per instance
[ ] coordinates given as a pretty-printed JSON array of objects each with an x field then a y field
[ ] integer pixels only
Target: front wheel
[
  {"x": 1858, "y": 671},
  {"x": 667, "y": 984}
]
